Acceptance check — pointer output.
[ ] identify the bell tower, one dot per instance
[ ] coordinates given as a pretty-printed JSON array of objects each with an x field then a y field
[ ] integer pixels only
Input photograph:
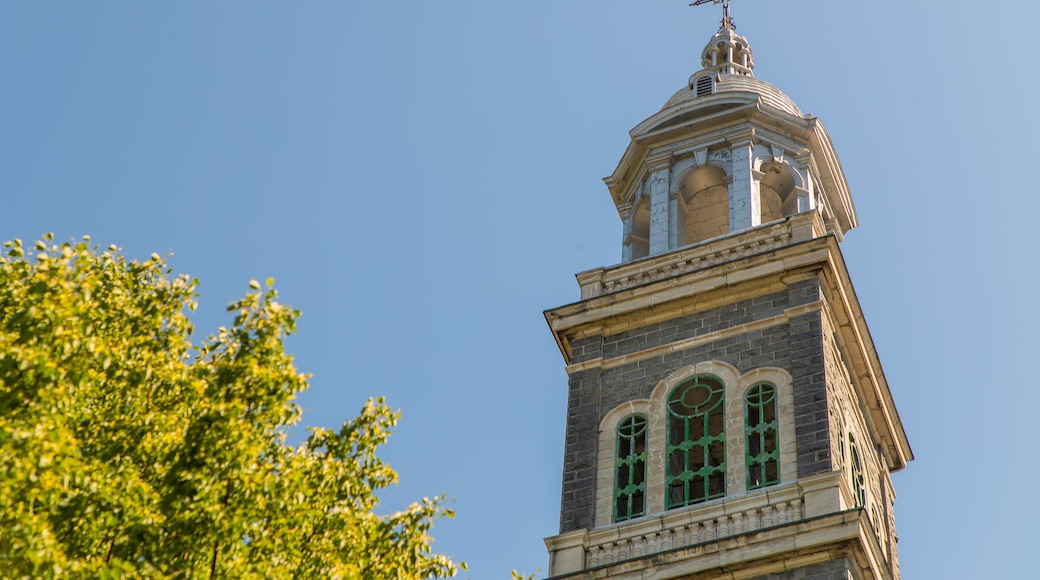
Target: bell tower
[{"x": 728, "y": 416}]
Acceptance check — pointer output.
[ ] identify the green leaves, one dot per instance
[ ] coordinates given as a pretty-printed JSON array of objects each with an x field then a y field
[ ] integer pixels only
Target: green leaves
[{"x": 130, "y": 452}]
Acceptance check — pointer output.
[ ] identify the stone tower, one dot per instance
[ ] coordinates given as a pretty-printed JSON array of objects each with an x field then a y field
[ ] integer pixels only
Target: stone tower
[{"x": 728, "y": 416}]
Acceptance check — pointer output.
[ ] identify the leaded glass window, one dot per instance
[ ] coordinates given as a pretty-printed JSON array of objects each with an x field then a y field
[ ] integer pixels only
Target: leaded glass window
[
  {"x": 696, "y": 442},
  {"x": 630, "y": 469},
  {"x": 760, "y": 428},
  {"x": 858, "y": 488}
]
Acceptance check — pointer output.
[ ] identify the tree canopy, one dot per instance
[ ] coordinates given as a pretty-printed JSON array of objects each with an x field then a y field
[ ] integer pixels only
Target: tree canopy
[{"x": 130, "y": 451}]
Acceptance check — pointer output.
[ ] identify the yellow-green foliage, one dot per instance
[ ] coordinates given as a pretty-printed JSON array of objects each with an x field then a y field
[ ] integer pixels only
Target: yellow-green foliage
[{"x": 127, "y": 451}]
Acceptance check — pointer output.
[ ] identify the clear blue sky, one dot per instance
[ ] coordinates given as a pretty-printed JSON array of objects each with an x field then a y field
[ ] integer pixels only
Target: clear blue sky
[{"x": 422, "y": 179}]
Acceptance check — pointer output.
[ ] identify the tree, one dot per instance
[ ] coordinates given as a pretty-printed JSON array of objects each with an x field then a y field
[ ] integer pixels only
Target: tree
[{"x": 127, "y": 451}]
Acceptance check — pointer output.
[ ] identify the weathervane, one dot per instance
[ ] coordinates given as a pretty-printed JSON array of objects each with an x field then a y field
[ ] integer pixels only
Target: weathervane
[{"x": 727, "y": 20}]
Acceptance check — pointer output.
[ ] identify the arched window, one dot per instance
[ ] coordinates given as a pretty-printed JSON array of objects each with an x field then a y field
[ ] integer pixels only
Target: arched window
[
  {"x": 760, "y": 427},
  {"x": 638, "y": 239},
  {"x": 696, "y": 447},
  {"x": 630, "y": 469},
  {"x": 778, "y": 192},
  {"x": 858, "y": 489}
]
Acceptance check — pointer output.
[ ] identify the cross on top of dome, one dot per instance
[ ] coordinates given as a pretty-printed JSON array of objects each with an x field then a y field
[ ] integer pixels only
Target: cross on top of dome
[{"x": 727, "y": 20}]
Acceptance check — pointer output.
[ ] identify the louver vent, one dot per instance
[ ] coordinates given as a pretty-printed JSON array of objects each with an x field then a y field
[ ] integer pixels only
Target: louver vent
[{"x": 704, "y": 86}]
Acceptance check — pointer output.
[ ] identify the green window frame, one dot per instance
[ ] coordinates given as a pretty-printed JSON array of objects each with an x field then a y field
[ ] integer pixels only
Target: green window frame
[
  {"x": 630, "y": 469},
  {"x": 696, "y": 448},
  {"x": 761, "y": 429},
  {"x": 858, "y": 488}
]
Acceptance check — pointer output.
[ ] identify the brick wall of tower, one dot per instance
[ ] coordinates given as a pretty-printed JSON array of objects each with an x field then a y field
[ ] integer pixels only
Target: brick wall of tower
[
  {"x": 795, "y": 345},
  {"x": 847, "y": 418}
]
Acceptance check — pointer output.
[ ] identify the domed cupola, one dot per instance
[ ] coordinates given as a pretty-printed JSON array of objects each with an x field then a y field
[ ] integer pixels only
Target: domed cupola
[{"x": 727, "y": 53}]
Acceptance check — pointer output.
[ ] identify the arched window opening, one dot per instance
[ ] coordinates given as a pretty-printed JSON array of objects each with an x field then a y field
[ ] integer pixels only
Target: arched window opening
[
  {"x": 696, "y": 448},
  {"x": 639, "y": 238},
  {"x": 777, "y": 192},
  {"x": 630, "y": 469},
  {"x": 760, "y": 428},
  {"x": 704, "y": 199},
  {"x": 858, "y": 488},
  {"x": 841, "y": 445}
]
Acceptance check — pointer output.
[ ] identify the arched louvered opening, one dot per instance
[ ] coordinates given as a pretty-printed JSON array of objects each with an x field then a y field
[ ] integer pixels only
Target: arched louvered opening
[{"x": 704, "y": 85}]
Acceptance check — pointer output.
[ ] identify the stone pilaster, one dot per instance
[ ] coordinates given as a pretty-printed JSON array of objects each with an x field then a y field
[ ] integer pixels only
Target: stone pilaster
[
  {"x": 745, "y": 203},
  {"x": 660, "y": 181},
  {"x": 676, "y": 221},
  {"x": 626, "y": 239}
]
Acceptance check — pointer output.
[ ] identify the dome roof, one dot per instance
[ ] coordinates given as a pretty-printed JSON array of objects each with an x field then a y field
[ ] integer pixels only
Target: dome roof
[
  {"x": 728, "y": 65},
  {"x": 770, "y": 95}
]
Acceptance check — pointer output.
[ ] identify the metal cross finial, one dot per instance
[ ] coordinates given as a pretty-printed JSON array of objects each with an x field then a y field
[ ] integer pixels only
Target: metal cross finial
[{"x": 727, "y": 20}]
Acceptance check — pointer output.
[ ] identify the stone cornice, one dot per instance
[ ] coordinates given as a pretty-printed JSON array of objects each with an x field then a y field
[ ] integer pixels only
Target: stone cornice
[
  {"x": 745, "y": 137},
  {"x": 835, "y": 187},
  {"x": 689, "y": 343},
  {"x": 748, "y": 536},
  {"x": 655, "y": 164},
  {"x": 660, "y": 281}
]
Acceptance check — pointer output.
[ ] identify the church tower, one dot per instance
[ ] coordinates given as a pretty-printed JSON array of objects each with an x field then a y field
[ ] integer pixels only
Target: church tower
[{"x": 728, "y": 416}]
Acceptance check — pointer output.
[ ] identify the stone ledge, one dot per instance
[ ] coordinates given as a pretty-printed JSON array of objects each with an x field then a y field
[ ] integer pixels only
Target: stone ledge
[
  {"x": 688, "y": 343},
  {"x": 697, "y": 525},
  {"x": 793, "y": 229},
  {"x": 746, "y": 555}
]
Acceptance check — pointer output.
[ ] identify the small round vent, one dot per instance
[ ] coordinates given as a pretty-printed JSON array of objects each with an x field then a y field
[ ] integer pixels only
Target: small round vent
[{"x": 704, "y": 86}]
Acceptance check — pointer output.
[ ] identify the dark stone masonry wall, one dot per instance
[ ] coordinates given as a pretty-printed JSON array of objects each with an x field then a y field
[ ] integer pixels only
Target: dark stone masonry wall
[
  {"x": 796, "y": 346},
  {"x": 833, "y": 570}
]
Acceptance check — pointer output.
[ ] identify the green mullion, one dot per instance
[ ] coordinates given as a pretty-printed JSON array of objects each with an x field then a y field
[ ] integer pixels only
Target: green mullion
[
  {"x": 757, "y": 400},
  {"x": 858, "y": 486},
  {"x": 631, "y": 436},
  {"x": 686, "y": 405}
]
